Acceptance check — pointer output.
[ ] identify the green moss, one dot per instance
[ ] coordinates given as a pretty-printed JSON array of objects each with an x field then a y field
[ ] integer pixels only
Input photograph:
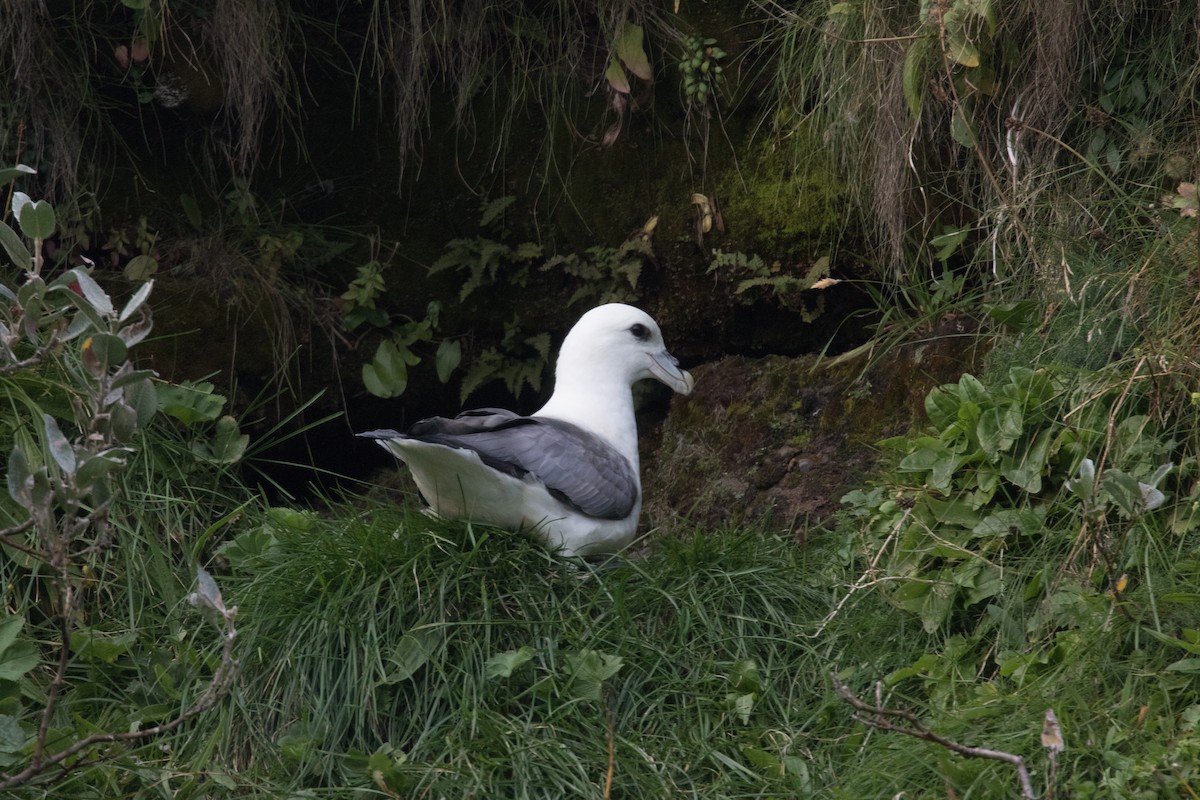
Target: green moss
[{"x": 780, "y": 204}]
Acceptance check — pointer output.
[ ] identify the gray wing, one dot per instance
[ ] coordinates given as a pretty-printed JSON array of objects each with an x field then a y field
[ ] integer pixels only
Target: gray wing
[{"x": 577, "y": 467}]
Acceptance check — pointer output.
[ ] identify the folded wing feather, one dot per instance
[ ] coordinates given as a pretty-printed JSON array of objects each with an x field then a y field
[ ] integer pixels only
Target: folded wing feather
[{"x": 579, "y": 468}]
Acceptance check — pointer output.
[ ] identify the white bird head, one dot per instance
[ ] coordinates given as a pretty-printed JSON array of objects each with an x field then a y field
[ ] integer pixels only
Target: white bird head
[{"x": 621, "y": 341}]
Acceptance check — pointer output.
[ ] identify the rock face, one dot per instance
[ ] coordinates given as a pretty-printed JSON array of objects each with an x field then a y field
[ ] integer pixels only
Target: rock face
[{"x": 787, "y": 437}]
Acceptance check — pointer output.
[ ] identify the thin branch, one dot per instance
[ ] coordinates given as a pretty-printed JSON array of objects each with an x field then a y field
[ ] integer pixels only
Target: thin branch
[
  {"x": 32, "y": 360},
  {"x": 878, "y": 717},
  {"x": 66, "y": 613},
  {"x": 866, "y": 580},
  {"x": 6, "y": 538},
  {"x": 219, "y": 685},
  {"x": 612, "y": 760}
]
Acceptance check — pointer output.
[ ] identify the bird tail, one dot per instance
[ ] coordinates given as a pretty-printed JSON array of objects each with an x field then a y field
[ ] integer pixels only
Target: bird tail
[{"x": 383, "y": 434}]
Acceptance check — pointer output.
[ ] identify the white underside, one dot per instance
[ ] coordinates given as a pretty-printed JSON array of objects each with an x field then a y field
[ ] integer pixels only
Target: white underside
[{"x": 457, "y": 485}]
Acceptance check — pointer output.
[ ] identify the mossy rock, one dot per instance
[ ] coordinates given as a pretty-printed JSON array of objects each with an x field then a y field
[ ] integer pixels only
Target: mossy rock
[
  {"x": 788, "y": 437},
  {"x": 780, "y": 205}
]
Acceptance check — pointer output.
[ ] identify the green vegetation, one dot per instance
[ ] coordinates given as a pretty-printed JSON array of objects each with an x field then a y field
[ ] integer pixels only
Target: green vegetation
[
  {"x": 1008, "y": 607},
  {"x": 95, "y": 652}
]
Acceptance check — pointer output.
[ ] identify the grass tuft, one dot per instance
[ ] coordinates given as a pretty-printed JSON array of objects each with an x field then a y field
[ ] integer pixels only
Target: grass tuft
[{"x": 375, "y": 640}]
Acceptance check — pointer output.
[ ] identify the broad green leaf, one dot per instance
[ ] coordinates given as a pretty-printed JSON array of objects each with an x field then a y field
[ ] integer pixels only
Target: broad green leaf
[
  {"x": 1124, "y": 490},
  {"x": 141, "y": 268},
  {"x": 290, "y": 518},
  {"x": 135, "y": 302},
  {"x": 973, "y": 391},
  {"x": 503, "y": 665},
  {"x": 1012, "y": 522},
  {"x": 963, "y": 50},
  {"x": 616, "y": 78},
  {"x": 9, "y": 174},
  {"x": 1113, "y": 157},
  {"x": 12, "y": 738},
  {"x": 143, "y": 398},
  {"x": 1025, "y": 470},
  {"x": 93, "y": 293},
  {"x": 1017, "y": 317},
  {"x": 951, "y": 512},
  {"x": 929, "y": 598},
  {"x": 191, "y": 210},
  {"x": 60, "y": 448},
  {"x": 20, "y": 479},
  {"x": 10, "y": 626},
  {"x": 939, "y": 602},
  {"x": 744, "y": 676},
  {"x": 96, "y": 468},
  {"x": 589, "y": 669},
  {"x": 960, "y": 128},
  {"x": 631, "y": 52},
  {"x": 943, "y": 471},
  {"x": 958, "y": 436},
  {"x": 36, "y": 219},
  {"x": 998, "y": 428},
  {"x": 740, "y": 704},
  {"x": 387, "y": 374},
  {"x": 941, "y": 405},
  {"x": 926, "y": 453},
  {"x": 449, "y": 355},
  {"x": 988, "y": 582},
  {"x": 1033, "y": 384},
  {"x": 190, "y": 402},
  {"x": 228, "y": 444},
  {"x": 17, "y": 659},
  {"x": 17, "y": 252},
  {"x": 412, "y": 652},
  {"x": 247, "y": 548},
  {"x": 101, "y": 646}
]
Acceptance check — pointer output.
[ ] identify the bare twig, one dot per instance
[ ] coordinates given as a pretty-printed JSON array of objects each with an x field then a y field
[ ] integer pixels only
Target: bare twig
[
  {"x": 866, "y": 579},
  {"x": 880, "y": 717},
  {"x": 16, "y": 366},
  {"x": 612, "y": 760}
]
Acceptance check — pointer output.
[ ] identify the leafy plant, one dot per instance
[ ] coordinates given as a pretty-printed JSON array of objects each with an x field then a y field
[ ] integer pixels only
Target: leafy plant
[
  {"x": 520, "y": 360},
  {"x": 601, "y": 275},
  {"x": 782, "y": 285},
  {"x": 701, "y": 68},
  {"x": 628, "y": 53},
  {"x": 607, "y": 274},
  {"x": 482, "y": 258},
  {"x": 63, "y": 482},
  {"x": 989, "y": 480}
]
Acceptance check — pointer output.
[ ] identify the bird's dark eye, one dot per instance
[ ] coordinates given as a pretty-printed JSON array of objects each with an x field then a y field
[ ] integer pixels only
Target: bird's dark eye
[{"x": 640, "y": 331}]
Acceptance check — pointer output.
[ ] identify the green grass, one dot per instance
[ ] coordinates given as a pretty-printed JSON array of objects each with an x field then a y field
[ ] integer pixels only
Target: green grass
[
  {"x": 372, "y": 640},
  {"x": 377, "y": 632},
  {"x": 366, "y": 640}
]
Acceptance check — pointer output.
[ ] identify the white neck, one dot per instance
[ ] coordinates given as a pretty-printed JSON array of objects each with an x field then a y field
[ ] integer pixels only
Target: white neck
[{"x": 603, "y": 407}]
